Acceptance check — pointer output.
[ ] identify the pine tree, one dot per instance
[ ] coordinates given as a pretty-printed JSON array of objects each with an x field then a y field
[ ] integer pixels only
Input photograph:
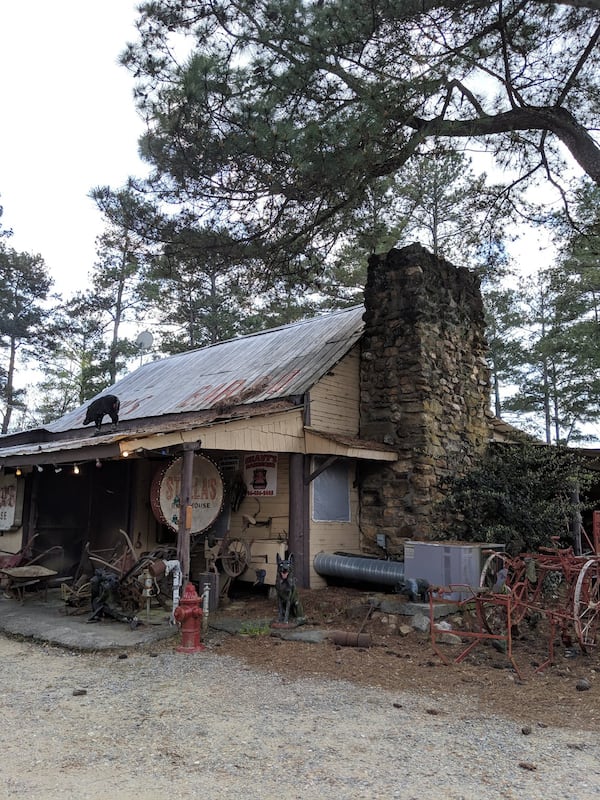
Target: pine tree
[
  {"x": 279, "y": 117},
  {"x": 24, "y": 289},
  {"x": 117, "y": 292},
  {"x": 560, "y": 380}
]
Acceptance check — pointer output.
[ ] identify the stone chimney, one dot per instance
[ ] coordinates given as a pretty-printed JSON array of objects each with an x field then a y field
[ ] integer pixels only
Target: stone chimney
[{"x": 424, "y": 390}]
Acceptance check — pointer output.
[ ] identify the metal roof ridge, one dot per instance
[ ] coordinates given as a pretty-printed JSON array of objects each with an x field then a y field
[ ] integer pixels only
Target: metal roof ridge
[{"x": 254, "y": 334}]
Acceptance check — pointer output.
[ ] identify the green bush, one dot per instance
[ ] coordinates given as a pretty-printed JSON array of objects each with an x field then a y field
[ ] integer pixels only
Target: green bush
[{"x": 521, "y": 495}]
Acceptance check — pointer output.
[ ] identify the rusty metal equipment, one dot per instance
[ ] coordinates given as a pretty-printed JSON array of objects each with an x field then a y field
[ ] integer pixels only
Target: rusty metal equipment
[
  {"x": 553, "y": 585},
  {"x": 474, "y": 631},
  {"x": 21, "y": 570},
  {"x": 20, "y": 578},
  {"x": 135, "y": 590},
  {"x": 105, "y": 599},
  {"x": 350, "y": 639}
]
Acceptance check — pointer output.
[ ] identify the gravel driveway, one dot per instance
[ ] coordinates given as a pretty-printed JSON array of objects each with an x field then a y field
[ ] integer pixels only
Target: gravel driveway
[{"x": 167, "y": 725}]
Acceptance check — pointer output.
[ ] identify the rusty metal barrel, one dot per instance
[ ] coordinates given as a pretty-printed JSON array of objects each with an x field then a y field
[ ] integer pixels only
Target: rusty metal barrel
[{"x": 350, "y": 639}]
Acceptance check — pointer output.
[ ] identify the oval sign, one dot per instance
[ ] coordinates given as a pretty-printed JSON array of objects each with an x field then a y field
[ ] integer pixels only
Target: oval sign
[{"x": 206, "y": 496}]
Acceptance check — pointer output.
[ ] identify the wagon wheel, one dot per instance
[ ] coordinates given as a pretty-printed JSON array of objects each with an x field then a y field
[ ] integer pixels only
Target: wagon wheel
[
  {"x": 497, "y": 577},
  {"x": 586, "y": 608},
  {"x": 493, "y": 579},
  {"x": 236, "y": 557}
]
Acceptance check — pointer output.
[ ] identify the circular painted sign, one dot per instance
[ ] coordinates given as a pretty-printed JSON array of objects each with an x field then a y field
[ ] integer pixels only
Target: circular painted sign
[{"x": 206, "y": 499}]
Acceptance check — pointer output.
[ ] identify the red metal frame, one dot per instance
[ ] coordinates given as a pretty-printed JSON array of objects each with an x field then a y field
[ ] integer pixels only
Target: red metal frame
[{"x": 443, "y": 595}]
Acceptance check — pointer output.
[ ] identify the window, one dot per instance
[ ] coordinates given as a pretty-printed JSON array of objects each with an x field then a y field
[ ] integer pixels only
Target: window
[{"x": 331, "y": 492}]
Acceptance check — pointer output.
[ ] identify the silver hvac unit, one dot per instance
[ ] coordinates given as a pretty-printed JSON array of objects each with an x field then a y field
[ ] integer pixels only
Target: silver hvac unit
[{"x": 448, "y": 564}]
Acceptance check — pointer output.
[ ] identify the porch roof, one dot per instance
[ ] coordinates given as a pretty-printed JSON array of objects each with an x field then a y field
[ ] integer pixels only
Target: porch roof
[{"x": 275, "y": 427}]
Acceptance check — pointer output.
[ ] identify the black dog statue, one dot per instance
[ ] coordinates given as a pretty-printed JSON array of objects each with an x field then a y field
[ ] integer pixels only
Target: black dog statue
[
  {"x": 288, "y": 599},
  {"x": 99, "y": 408}
]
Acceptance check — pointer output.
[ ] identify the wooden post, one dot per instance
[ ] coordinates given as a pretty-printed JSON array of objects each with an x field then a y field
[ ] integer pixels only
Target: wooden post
[
  {"x": 298, "y": 542},
  {"x": 576, "y": 520},
  {"x": 185, "y": 512}
]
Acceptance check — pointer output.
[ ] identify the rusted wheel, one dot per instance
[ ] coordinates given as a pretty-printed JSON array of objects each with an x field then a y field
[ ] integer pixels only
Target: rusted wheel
[
  {"x": 493, "y": 580},
  {"x": 236, "y": 557},
  {"x": 500, "y": 577},
  {"x": 586, "y": 607}
]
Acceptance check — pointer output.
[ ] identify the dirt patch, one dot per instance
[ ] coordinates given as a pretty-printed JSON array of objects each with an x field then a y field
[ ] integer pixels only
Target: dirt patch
[{"x": 408, "y": 662}]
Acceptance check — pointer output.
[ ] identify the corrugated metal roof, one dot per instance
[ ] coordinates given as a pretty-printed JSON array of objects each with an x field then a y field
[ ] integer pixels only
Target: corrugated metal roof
[{"x": 269, "y": 365}]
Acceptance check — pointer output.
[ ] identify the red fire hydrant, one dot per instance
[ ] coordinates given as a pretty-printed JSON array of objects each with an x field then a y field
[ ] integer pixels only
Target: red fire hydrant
[{"x": 188, "y": 615}]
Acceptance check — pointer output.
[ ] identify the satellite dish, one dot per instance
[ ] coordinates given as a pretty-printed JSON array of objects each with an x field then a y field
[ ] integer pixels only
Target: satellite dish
[{"x": 144, "y": 340}]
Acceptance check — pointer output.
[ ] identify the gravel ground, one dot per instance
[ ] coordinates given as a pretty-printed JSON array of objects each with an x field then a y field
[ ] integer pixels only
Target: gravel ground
[{"x": 164, "y": 724}]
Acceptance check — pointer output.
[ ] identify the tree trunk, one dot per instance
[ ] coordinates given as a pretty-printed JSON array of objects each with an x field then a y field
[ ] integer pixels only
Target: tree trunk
[{"x": 10, "y": 378}]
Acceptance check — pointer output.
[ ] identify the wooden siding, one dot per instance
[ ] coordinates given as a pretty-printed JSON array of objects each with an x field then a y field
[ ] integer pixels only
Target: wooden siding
[
  {"x": 334, "y": 400},
  {"x": 329, "y": 537},
  {"x": 267, "y": 435},
  {"x": 261, "y": 508},
  {"x": 264, "y": 541},
  {"x": 274, "y": 433}
]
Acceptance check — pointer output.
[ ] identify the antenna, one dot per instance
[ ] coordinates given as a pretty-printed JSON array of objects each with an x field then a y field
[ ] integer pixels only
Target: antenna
[{"x": 144, "y": 340}]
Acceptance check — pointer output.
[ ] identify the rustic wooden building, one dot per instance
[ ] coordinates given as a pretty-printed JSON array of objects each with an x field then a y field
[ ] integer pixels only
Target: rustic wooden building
[{"x": 322, "y": 435}]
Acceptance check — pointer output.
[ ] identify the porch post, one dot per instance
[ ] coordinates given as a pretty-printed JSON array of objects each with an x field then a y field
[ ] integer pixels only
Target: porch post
[
  {"x": 299, "y": 539},
  {"x": 185, "y": 512}
]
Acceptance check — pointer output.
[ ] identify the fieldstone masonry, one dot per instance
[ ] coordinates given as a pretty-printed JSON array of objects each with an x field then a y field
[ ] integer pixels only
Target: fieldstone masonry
[{"x": 424, "y": 390}]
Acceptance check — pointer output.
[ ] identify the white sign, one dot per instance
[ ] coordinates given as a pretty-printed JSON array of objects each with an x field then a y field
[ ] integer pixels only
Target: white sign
[
  {"x": 11, "y": 502},
  {"x": 206, "y": 498}
]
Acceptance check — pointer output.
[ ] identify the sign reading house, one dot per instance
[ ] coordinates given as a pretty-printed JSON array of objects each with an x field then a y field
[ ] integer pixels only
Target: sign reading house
[
  {"x": 11, "y": 502},
  {"x": 206, "y": 498}
]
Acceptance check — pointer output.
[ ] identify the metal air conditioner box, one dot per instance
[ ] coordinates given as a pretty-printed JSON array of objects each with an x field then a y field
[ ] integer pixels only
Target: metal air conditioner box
[{"x": 448, "y": 563}]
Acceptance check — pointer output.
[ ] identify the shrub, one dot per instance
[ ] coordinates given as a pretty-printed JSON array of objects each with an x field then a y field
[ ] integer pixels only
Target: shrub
[{"x": 521, "y": 495}]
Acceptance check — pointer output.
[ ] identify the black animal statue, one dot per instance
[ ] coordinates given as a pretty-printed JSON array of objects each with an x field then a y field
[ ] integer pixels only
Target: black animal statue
[
  {"x": 416, "y": 589},
  {"x": 106, "y": 601},
  {"x": 288, "y": 599},
  {"x": 108, "y": 404}
]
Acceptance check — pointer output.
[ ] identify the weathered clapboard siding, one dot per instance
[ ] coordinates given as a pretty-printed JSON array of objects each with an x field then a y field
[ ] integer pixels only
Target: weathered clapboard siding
[
  {"x": 278, "y": 433},
  {"x": 264, "y": 541},
  {"x": 329, "y": 537},
  {"x": 335, "y": 399},
  {"x": 261, "y": 508}
]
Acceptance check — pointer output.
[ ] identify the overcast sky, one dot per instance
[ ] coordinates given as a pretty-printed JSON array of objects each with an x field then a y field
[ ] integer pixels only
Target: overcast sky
[{"x": 68, "y": 124}]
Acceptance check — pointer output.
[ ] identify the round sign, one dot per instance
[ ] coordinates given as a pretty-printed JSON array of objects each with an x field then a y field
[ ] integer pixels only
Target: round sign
[{"x": 206, "y": 497}]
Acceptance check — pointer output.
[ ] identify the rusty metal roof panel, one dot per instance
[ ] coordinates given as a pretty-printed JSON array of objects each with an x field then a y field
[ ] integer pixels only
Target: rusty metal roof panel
[{"x": 280, "y": 362}]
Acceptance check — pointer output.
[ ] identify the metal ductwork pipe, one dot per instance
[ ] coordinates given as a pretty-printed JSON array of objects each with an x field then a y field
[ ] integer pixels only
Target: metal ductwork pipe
[{"x": 358, "y": 568}]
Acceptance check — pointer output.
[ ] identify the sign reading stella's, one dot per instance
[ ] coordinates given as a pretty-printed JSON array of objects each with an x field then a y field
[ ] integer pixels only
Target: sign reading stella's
[{"x": 206, "y": 496}]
